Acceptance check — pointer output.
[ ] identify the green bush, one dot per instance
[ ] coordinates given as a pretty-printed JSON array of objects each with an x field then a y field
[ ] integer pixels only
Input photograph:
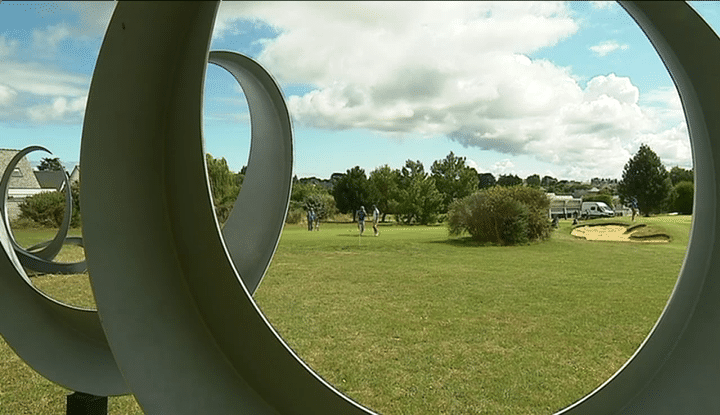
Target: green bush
[
  {"x": 682, "y": 197},
  {"x": 47, "y": 209},
  {"x": 296, "y": 212},
  {"x": 502, "y": 215}
]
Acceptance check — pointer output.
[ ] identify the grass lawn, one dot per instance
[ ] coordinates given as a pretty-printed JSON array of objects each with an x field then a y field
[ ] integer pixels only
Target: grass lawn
[{"x": 414, "y": 322}]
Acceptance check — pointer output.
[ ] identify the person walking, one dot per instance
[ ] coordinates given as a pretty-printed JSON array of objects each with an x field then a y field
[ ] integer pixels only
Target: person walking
[
  {"x": 310, "y": 219},
  {"x": 376, "y": 220},
  {"x": 361, "y": 219},
  {"x": 634, "y": 207}
]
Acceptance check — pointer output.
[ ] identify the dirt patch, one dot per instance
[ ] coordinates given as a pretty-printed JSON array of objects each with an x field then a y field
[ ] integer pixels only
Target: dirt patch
[{"x": 620, "y": 233}]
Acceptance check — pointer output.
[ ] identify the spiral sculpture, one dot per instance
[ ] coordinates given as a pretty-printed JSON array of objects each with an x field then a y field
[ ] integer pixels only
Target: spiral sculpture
[
  {"x": 39, "y": 258},
  {"x": 175, "y": 292}
]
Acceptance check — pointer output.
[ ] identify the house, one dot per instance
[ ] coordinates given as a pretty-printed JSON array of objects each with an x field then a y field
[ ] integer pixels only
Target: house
[
  {"x": 50, "y": 179},
  {"x": 23, "y": 182}
]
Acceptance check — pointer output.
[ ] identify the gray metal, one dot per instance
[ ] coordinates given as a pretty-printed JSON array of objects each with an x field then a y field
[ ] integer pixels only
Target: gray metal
[
  {"x": 64, "y": 344},
  {"x": 676, "y": 369},
  {"x": 252, "y": 231},
  {"x": 181, "y": 322},
  {"x": 39, "y": 258},
  {"x": 182, "y": 326},
  {"x": 176, "y": 299}
]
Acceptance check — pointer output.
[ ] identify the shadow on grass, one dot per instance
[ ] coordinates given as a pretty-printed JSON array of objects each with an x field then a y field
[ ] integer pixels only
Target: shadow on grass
[{"x": 462, "y": 242}]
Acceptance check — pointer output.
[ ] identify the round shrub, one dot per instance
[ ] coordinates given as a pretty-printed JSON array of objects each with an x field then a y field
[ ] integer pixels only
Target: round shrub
[
  {"x": 46, "y": 208},
  {"x": 502, "y": 215}
]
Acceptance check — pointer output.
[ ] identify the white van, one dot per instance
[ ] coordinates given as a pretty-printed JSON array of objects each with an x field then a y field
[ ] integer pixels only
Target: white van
[{"x": 596, "y": 210}]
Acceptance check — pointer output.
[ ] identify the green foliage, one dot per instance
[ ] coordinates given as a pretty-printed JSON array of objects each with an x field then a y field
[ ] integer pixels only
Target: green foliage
[
  {"x": 75, "y": 221},
  {"x": 419, "y": 198},
  {"x": 486, "y": 180},
  {"x": 384, "y": 189},
  {"x": 502, "y": 215},
  {"x": 224, "y": 186},
  {"x": 678, "y": 174},
  {"x": 45, "y": 209},
  {"x": 509, "y": 180},
  {"x": 645, "y": 178},
  {"x": 533, "y": 180},
  {"x": 682, "y": 197},
  {"x": 322, "y": 203},
  {"x": 351, "y": 190},
  {"x": 51, "y": 164},
  {"x": 453, "y": 179},
  {"x": 548, "y": 181}
]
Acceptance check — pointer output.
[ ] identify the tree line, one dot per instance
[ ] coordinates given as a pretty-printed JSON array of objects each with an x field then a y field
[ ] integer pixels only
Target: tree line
[{"x": 414, "y": 195}]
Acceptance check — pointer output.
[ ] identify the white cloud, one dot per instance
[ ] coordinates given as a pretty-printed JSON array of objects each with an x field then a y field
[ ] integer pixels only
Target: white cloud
[
  {"x": 7, "y": 95},
  {"x": 457, "y": 69},
  {"x": 8, "y": 47},
  {"x": 503, "y": 167},
  {"x": 602, "y": 5},
  {"x": 60, "y": 109},
  {"x": 42, "y": 80},
  {"x": 672, "y": 145},
  {"x": 461, "y": 70},
  {"x": 606, "y": 47},
  {"x": 45, "y": 42}
]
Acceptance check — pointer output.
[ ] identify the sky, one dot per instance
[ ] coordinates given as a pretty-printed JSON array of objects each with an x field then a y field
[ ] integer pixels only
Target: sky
[{"x": 565, "y": 89}]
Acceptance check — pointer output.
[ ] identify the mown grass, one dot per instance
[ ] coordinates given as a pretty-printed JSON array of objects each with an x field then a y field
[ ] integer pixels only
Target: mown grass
[{"x": 414, "y": 322}]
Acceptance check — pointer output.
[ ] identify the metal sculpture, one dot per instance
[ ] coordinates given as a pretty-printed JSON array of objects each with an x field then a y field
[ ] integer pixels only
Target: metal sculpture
[
  {"x": 63, "y": 343},
  {"x": 177, "y": 310},
  {"x": 253, "y": 229},
  {"x": 39, "y": 258}
]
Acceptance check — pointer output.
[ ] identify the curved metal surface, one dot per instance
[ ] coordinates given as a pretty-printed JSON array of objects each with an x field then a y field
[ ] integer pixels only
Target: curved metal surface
[
  {"x": 40, "y": 257},
  {"x": 675, "y": 371},
  {"x": 180, "y": 320},
  {"x": 252, "y": 231},
  {"x": 64, "y": 344},
  {"x": 164, "y": 282},
  {"x": 52, "y": 249}
]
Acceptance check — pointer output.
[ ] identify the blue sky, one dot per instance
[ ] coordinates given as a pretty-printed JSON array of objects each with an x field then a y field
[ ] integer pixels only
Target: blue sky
[{"x": 569, "y": 90}]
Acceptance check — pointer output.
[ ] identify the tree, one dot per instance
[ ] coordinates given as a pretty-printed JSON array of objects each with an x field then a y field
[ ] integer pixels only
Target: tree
[
  {"x": 384, "y": 189},
  {"x": 645, "y": 178},
  {"x": 419, "y": 198},
  {"x": 351, "y": 191},
  {"x": 51, "y": 164},
  {"x": 533, "y": 180},
  {"x": 678, "y": 174},
  {"x": 453, "y": 179},
  {"x": 509, "y": 180},
  {"x": 548, "y": 181},
  {"x": 224, "y": 186},
  {"x": 486, "y": 180},
  {"x": 682, "y": 197}
]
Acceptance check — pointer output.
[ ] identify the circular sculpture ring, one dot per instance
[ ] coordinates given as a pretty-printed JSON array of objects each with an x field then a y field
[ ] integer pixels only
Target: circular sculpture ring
[
  {"x": 40, "y": 257},
  {"x": 182, "y": 326},
  {"x": 178, "y": 317},
  {"x": 63, "y": 343}
]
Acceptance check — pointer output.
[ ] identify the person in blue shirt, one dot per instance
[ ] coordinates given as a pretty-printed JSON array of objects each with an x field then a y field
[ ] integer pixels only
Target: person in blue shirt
[
  {"x": 361, "y": 219},
  {"x": 310, "y": 219},
  {"x": 634, "y": 207}
]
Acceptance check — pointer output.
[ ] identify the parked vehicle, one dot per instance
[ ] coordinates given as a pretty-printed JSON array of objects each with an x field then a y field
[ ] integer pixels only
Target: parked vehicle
[
  {"x": 596, "y": 210},
  {"x": 564, "y": 206}
]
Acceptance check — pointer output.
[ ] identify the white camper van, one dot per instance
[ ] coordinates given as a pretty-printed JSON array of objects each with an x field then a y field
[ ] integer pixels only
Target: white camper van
[{"x": 596, "y": 210}]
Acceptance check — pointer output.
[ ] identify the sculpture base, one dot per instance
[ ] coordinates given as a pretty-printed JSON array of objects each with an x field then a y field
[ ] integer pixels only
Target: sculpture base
[{"x": 79, "y": 403}]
